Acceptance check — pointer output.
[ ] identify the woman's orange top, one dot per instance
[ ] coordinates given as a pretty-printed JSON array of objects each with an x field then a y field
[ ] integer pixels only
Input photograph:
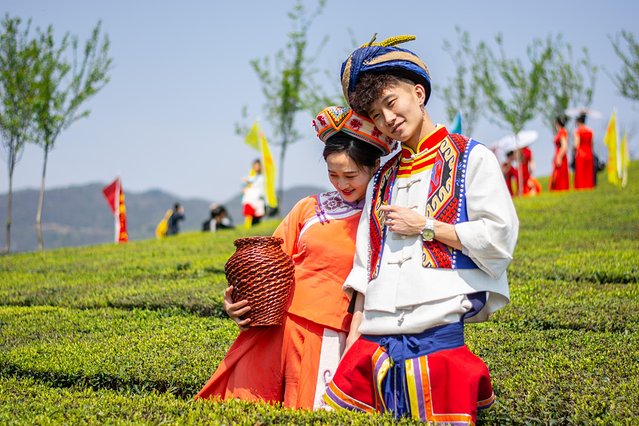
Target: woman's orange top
[{"x": 319, "y": 234}]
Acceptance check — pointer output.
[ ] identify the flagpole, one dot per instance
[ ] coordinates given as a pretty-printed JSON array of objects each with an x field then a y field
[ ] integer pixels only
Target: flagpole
[
  {"x": 618, "y": 146},
  {"x": 116, "y": 214}
]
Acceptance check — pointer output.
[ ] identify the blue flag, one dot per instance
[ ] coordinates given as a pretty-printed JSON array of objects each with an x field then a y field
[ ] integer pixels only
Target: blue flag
[{"x": 456, "y": 127}]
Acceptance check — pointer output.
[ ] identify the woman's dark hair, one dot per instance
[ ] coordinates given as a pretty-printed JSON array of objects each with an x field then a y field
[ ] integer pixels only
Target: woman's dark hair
[
  {"x": 362, "y": 153},
  {"x": 581, "y": 118},
  {"x": 561, "y": 119}
]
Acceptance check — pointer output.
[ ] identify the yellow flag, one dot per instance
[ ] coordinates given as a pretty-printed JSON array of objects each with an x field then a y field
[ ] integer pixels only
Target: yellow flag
[
  {"x": 253, "y": 136},
  {"x": 611, "y": 142},
  {"x": 269, "y": 172},
  {"x": 625, "y": 160}
]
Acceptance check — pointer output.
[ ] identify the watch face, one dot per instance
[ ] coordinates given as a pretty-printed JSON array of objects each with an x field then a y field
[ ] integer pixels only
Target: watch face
[{"x": 428, "y": 234}]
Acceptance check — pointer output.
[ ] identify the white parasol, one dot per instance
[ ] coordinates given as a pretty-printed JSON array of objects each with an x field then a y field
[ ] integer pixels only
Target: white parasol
[
  {"x": 590, "y": 113},
  {"x": 512, "y": 142}
]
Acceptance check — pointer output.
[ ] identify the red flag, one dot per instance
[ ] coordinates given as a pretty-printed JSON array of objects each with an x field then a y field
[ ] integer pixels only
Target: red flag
[
  {"x": 114, "y": 195},
  {"x": 111, "y": 193}
]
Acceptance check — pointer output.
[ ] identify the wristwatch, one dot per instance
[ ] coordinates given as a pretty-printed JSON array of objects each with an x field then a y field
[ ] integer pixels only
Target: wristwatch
[{"x": 428, "y": 232}]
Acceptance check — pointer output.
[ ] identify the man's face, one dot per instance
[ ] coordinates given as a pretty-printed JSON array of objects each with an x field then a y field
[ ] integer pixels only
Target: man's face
[{"x": 398, "y": 111}]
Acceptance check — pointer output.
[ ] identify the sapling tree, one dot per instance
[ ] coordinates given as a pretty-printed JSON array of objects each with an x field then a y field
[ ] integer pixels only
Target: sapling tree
[
  {"x": 66, "y": 80},
  {"x": 514, "y": 89},
  {"x": 19, "y": 57},
  {"x": 627, "y": 79},
  {"x": 463, "y": 93}
]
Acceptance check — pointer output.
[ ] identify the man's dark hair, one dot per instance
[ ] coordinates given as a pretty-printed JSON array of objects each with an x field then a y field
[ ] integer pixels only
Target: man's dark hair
[{"x": 369, "y": 88}]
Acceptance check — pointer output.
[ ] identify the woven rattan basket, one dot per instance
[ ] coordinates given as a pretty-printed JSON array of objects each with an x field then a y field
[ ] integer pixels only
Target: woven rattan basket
[{"x": 263, "y": 274}]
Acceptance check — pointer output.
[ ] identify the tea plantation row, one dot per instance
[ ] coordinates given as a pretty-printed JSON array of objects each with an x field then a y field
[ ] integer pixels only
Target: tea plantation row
[{"x": 128, "y": 334}]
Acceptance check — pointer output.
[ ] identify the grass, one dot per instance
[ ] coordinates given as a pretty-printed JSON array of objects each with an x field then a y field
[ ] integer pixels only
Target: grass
[{"x": 128, "y": 334}]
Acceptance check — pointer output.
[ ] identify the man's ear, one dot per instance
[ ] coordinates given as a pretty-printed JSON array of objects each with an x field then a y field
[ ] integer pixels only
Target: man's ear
[{"x": 420, "y": 92}]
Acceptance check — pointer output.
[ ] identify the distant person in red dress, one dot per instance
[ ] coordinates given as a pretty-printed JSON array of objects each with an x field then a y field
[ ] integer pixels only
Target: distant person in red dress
[
  {"x": 527, "y": 164},
  {"x": 584, "y": 159},
  {"x": 510, "y": 172},
  {"x": 559, "y": 180}
]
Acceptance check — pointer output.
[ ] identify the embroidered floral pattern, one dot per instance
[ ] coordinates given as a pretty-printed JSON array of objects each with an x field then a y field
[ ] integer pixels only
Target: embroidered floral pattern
[{"x": 332, "y": 204}]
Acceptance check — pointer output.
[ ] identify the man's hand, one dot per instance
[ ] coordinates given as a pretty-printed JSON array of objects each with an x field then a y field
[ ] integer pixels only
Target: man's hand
[{"x": 403, "y": 220}]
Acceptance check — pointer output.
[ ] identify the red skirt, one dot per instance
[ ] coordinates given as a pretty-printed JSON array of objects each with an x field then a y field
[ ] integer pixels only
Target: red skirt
[
  {"x": 584, "y": 170},
  {"x": 447, "y": 386},
  {"x": 560, "y": 180}
]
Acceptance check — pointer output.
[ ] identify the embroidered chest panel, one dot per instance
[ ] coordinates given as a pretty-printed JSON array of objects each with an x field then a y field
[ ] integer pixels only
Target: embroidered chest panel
[{"x": 445, "y": 203}]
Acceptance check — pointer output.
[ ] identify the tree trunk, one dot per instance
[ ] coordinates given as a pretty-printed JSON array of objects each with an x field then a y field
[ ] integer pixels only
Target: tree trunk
[
  {"x": 41, "y": 200},
  {"x": 520, "y": 173},
  {"x": 12, "y": 163},
  {"x": 280, "y": 178}
]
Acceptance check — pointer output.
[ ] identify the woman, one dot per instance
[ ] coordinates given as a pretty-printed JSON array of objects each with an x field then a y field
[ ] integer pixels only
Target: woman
[
  {"x": 293, "y": 363},
  {"x": 584, "y": 159},
  {"x": 559, "y": 180},
  {"x": 253, "y": 206}
]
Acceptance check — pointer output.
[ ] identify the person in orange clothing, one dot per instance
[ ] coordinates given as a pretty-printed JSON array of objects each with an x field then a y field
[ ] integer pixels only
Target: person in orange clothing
[
  {"x": 294, "y": 362},
  {"x": 584, "y": 159},
  {"x": 559, "y": 179}
]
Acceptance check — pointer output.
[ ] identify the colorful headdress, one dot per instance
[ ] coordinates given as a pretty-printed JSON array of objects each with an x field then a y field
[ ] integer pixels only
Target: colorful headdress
[
  {"x": 334, "y": 119},
  {"x": 384, "y": 57}
]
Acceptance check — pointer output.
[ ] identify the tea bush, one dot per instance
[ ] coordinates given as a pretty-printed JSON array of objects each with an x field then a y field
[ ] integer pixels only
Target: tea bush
[{"x": 129, "y": 333}]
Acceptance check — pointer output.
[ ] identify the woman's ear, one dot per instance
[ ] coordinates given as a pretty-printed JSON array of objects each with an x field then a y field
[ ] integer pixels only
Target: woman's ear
[{"x": 374, "y": 169}]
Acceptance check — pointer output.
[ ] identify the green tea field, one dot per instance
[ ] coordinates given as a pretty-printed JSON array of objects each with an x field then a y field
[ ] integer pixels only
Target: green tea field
[{"x": 128, "y": 334}]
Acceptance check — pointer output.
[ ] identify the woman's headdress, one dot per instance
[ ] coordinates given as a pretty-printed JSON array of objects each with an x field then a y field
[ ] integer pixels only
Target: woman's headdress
[{"x": 335, "y": 119}]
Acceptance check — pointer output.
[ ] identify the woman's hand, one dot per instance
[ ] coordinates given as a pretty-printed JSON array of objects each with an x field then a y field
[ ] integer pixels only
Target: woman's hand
[
  {"x": 236, "y": 310},
  {"x": 403, "y": 220}
]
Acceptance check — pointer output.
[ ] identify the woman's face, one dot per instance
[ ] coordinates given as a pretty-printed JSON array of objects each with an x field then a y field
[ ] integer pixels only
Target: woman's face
[{"x": 347, "y": 177}]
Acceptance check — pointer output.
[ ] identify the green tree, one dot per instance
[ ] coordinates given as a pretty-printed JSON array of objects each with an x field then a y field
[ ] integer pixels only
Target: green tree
[
  {"x": 627, "y": 80},
  {"x": 18, "y": 71},
  {"x": 288, "y": 84},
  {"x": 63, "y": 86},
  {"x": 463, "y": 92},
  {"x": 523, "y": 85},
  {"x": 570, "y": 81}
]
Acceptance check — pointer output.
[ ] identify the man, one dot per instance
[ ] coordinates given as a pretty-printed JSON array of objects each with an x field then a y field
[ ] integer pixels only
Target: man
[{"x": 436, "y": 236}]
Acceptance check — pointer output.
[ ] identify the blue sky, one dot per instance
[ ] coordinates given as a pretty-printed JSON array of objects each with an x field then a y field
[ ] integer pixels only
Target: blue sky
[{"x": 181, "y": 76}]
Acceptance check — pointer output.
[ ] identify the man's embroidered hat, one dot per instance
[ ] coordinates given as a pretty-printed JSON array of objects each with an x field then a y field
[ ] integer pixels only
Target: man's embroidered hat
[
  {"x": 384, "y": 58},
  {"x": 335, "y": 119}
]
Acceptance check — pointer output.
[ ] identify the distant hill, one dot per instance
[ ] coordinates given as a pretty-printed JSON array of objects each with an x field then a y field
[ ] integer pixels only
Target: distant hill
[{"x": 79, "y": 215}]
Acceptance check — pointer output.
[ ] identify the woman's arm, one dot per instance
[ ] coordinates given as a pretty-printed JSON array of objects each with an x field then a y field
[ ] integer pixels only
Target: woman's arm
[
  {"x": 358, "y": 312},
  {"x": 563, "y": 147}
]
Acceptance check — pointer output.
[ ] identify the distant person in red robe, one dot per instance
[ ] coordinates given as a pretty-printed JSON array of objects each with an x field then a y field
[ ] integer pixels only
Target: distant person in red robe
[
  {"x": 584, "y": 159},
  {"x": 510, "y": 172},
  {"x": 527, "y": 164},
  {"x": 559, "y": 179}
]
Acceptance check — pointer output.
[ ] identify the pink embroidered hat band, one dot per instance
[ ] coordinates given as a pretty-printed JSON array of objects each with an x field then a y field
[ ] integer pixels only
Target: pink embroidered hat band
[{"x": 335, "y": 119}]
